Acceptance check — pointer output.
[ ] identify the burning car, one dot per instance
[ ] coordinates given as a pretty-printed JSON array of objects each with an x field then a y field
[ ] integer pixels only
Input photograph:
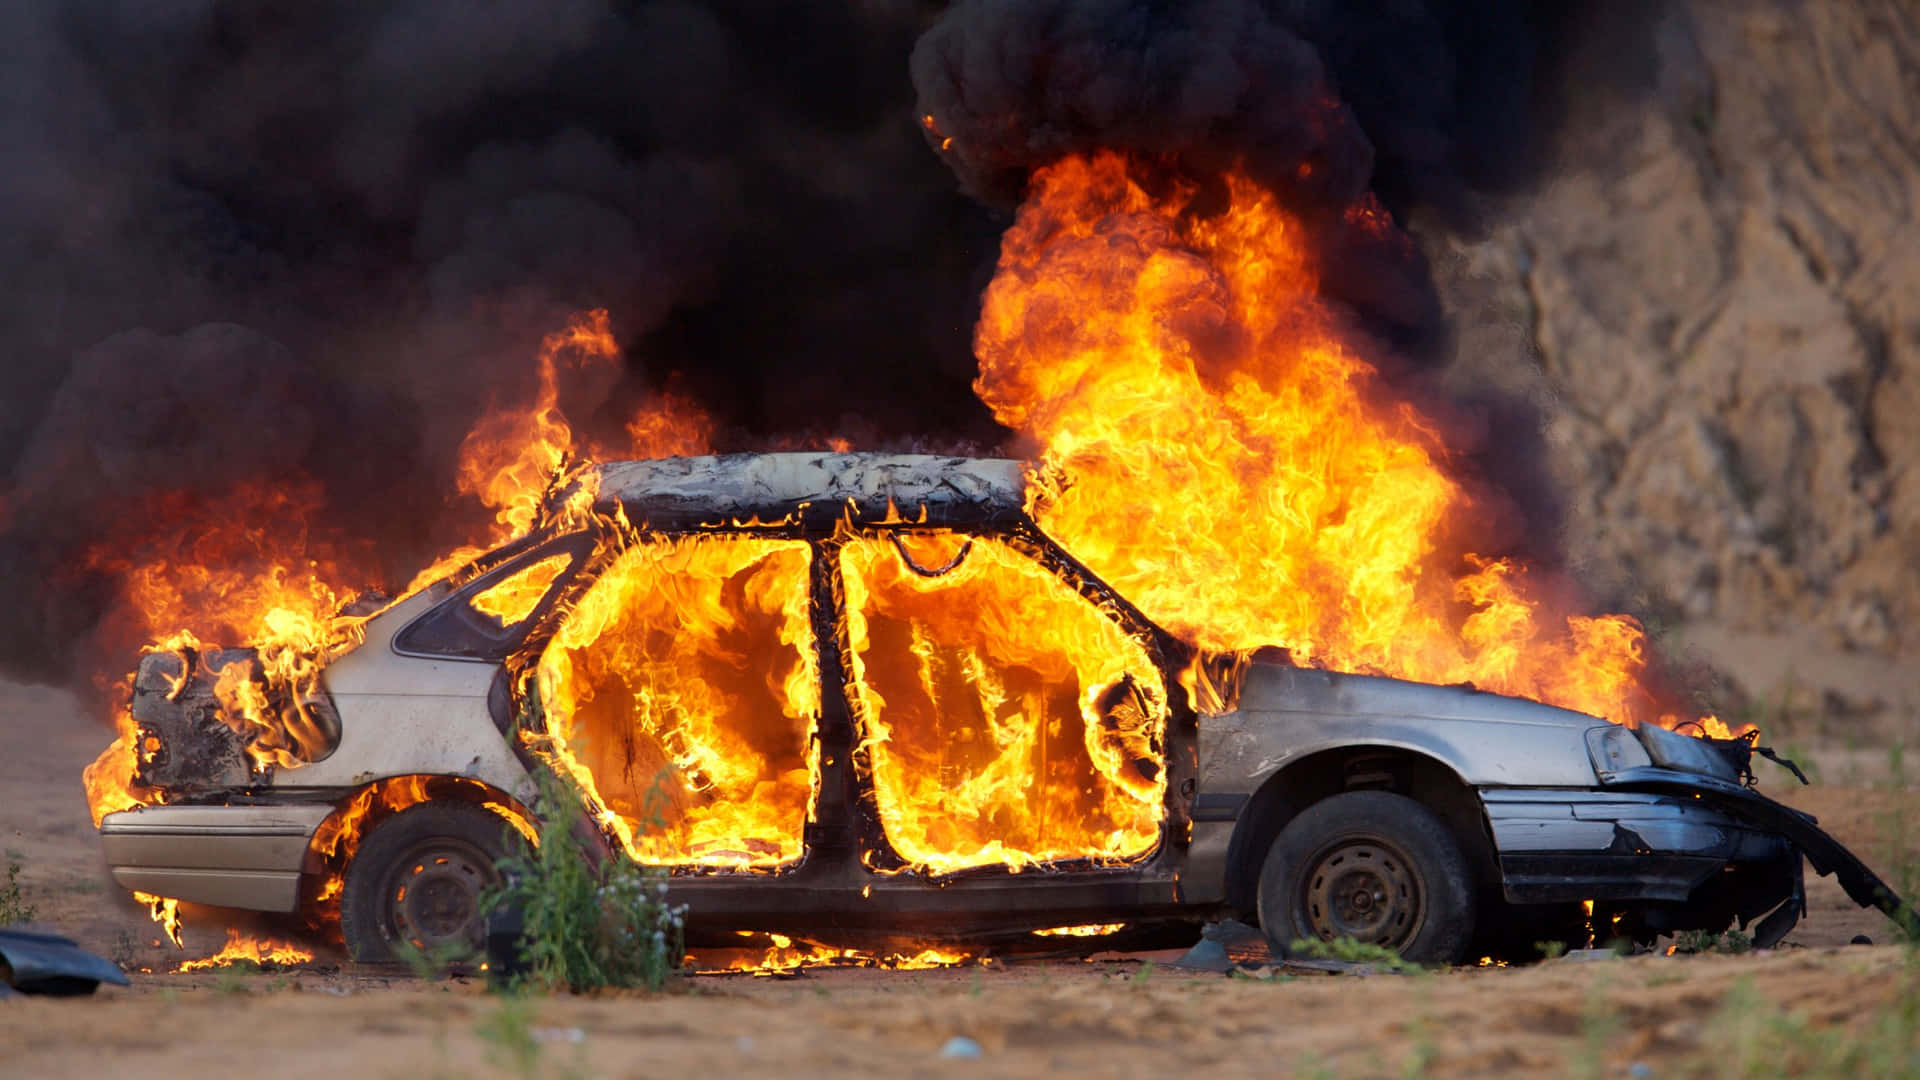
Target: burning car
[{"x": 845, "y": 694}]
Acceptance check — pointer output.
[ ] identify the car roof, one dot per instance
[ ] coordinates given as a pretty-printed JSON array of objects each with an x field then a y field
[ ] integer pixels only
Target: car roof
[{"x": 867, "y": 487}]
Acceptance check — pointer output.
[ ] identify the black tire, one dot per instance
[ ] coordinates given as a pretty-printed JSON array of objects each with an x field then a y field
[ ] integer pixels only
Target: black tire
[
  {"x": 417, "y": 878},
  {"x": 1373, "y": 866}
]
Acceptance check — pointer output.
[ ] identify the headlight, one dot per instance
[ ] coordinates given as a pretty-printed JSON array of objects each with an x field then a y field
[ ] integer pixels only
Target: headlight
[
  {"x": 1613, "y": 748},
  {"x": 1685, "y": 753}
]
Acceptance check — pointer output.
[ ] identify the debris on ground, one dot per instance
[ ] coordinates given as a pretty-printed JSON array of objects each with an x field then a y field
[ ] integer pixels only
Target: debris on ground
[{"x": 33, "y": 963}]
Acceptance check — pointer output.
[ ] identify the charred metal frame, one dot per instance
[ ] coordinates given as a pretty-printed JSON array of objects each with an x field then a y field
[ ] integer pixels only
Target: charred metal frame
[{"x": 848, "y": 880}]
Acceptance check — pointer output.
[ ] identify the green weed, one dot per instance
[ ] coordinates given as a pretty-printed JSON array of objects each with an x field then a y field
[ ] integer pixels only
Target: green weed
[
  {"x": 587, "y": 926},
  {"x": 125, "y": 950},
  {"x": 1349, "y": 951},
  {"x": 508, "y": 1029},
  {"x": 1600, "y": 1023},
  {"x": 13, "y": 906},
  {"x": 1425, "y": 1051},
  {"x": 1732, "y": 942},
  {"x": 1750, "y": 1037}
]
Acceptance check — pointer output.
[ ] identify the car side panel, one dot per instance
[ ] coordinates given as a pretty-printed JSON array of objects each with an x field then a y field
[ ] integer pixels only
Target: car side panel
[
  {"x": 1286, "y": 713},
  {"x": 405, "y": 715}
]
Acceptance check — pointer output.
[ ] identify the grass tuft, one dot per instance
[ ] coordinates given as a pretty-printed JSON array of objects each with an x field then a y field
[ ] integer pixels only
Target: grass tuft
[
  {"x": 587, "y": 926},
  {"x": 1349, "y": 951},
  {"x": 13, "y": 906}
]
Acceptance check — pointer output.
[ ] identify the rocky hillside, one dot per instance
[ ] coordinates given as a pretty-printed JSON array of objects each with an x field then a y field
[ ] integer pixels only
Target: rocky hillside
[{"x": 1716, "y": 295}]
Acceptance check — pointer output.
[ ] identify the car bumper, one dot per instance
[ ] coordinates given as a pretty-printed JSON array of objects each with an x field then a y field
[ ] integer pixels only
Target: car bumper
[
  {"x": 227, "y": 856},
  {"x": 1680, "y": 856},
  {"x": 1616, "y": 845}
]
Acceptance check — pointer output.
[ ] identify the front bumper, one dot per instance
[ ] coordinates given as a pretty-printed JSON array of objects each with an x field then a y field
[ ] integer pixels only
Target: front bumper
[{"x": 1680, "y": 856}]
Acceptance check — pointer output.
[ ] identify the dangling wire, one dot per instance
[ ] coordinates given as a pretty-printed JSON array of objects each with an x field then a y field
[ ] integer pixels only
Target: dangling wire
[{"x": 901, "y": 547}]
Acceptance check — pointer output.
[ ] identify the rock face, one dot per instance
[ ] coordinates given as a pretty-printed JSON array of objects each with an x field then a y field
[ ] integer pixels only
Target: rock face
[{"x": 1715, "y": 293}]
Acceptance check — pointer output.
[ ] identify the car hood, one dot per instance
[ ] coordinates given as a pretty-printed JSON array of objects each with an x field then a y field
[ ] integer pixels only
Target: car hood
[
  {"x": 1277, "y": 687},
  {"x": 1285, "y": 712}
]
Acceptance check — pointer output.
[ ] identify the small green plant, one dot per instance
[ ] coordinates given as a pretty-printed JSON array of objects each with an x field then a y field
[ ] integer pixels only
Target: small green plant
[
  {"x": 1752, "y": 1037},
  {"x": 1347, "y": 950},
  {"x": 1896, "y": 829},
  {"x": 429, "y": 965},
  {"x": 508, "y": 1029},
  {"x": 125, "y": 950},
  {"x": 1600, "y": 1024},
  {"x": 1310, "y": 1067},
  {"x": 1425, "y": 1051},
  {"x": 13, "y": 907},
  {"x": 233, "y": 979},
  {"x": 1550, "y": 950},
  {"x": 1729, "y": 942},
  {"x": 586, "y": 926}
]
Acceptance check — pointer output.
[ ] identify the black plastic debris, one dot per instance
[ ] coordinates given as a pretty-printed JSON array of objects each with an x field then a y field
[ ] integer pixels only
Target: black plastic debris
[{"x": 48, "y": 964}]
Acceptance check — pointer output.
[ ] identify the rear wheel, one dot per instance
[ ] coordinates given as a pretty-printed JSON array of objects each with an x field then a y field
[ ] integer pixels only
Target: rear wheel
[
  {"x": 417, "y": 880},
  {"x": 1372, "y": 866}
]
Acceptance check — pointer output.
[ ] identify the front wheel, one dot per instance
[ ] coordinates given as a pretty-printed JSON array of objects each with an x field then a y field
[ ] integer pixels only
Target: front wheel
[
  {"x": 1372, "y": 866},
  {"x": 418, "y": 879}
]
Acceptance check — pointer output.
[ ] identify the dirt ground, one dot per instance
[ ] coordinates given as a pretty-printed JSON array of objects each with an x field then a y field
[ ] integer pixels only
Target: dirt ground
[{"x": 1116, "y": 1015}]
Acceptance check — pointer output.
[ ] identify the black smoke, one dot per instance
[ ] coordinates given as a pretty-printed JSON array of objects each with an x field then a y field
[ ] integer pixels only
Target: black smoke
[
  {"x": 297, "y": 242},
  {"x": 1425, "y": 103},
  {"x": 309, "y": 241}
]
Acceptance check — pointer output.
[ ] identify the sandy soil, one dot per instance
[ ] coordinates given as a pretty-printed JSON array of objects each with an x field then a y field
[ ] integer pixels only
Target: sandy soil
[{"x": 1121, "y": 1015}]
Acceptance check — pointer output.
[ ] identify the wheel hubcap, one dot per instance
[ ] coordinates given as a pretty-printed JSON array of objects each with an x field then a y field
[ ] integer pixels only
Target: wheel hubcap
[
  {"x": 1364, "y": 890},
  {"x": 435, "y": 895}
]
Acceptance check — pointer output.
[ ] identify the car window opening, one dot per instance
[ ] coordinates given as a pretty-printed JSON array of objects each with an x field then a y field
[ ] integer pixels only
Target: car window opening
[
  {"x": 514, "y": 597},
  {"x": 1008, "y": 720},
  {"x": 681, "y": 691}
]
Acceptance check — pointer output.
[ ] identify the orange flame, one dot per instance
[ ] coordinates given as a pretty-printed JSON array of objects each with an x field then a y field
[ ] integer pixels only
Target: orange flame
[
  {"x": 242, "y": 568},
  {"x": 166, "y": 912},
  {"x": 1089, "y": 930},
  {"x": 994, "y": 732},
  {"x": 682, "y": 689},
  {"x": 787, "y": 954},
  {"x": 1217, "y": 448},
  {"x": 242, "y": 949}
]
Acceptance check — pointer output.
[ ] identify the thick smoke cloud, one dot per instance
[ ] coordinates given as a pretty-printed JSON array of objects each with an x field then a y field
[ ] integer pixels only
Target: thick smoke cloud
[
  {"x": 307, "y": 243},
  {"x": 1423, "y": 103}
]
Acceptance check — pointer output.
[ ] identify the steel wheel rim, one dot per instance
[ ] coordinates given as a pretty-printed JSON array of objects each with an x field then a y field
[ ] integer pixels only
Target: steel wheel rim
[
  {"x": 1364, "y": 889},
  {"x": 433, "y": 895}
]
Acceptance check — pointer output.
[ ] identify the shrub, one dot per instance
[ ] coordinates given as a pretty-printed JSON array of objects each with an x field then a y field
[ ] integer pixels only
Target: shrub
[{"x": 586, "y": 926}]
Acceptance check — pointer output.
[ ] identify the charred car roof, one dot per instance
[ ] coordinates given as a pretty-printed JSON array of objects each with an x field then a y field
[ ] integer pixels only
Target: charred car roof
[{"x": 867, "y": 487}]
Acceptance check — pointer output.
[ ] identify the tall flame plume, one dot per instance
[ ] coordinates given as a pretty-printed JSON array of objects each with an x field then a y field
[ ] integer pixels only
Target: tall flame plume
[{"x": 1217, "y": 447}]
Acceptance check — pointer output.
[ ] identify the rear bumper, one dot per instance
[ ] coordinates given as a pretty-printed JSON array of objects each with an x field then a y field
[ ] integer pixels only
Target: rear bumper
[{"x": 226, "y": 856}]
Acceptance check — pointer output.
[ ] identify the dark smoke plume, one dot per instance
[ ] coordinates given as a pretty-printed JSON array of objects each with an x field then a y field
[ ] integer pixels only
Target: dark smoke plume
[
  {"x": 1322, "y": 100},
  {"x": 305, "y": 243}
]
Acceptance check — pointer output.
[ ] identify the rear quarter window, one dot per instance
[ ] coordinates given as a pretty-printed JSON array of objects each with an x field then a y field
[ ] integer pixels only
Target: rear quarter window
[{"x": 488, "y": 617}]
